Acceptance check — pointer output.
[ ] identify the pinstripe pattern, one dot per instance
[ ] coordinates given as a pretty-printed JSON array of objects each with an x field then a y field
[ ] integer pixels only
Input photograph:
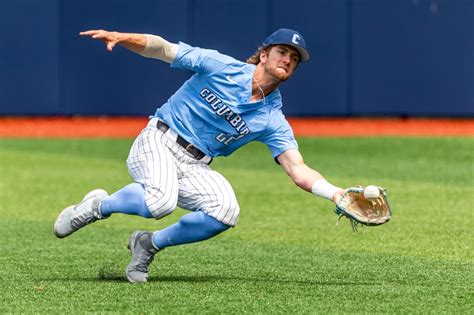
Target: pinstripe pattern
[
  {"x": 204, "y": 189},
  {"x": 150, "y": 164},
  {"x": 171, "y": 177}
]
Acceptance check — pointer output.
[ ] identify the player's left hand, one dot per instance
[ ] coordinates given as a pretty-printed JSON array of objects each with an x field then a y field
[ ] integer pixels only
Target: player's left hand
[
  {"x": 110, "y": 39},
  {"x": 353, "y": 204},
  {"x": 338, "y": 195}
]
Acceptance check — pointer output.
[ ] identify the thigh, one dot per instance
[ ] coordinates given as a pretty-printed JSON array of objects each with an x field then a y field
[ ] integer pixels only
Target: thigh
[
  {"x": 151, "y": 164},
  {"x": 201, "y": 188}
]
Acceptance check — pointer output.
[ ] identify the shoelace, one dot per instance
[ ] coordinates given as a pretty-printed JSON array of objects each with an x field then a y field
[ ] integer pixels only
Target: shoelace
[
  {"x": 82, "y": 219},
  {"x": 144, "y": 261}
]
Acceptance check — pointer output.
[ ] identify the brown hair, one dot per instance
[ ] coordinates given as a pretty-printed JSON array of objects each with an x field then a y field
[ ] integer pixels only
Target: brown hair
[{"x": 255, "y": 58}]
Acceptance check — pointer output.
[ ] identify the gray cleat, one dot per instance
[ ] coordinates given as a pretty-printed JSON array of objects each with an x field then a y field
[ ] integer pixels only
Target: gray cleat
[
  {"x": 77, "y": 216},
  {"x": 143, "y": 252}
]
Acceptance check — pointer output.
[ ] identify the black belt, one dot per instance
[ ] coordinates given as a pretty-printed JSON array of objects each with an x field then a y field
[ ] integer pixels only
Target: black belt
[{"x": 189, "y": 147}]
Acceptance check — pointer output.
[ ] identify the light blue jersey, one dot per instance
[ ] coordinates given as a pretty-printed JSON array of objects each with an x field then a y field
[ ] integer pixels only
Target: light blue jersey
[{"x": 212, "y": 110}]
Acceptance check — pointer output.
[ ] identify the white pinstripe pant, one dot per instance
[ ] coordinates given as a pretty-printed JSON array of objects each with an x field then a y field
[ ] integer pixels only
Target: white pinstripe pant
[{"x": 172, "y": 177}]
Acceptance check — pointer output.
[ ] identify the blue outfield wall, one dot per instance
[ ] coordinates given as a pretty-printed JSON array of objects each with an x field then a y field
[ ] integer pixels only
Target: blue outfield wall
[
  {"x": 29, "y": 57},
  {"x": 369, "y": 57}
]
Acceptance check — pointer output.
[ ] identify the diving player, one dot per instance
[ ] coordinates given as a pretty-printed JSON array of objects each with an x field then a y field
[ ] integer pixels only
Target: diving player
[{"x": 224, "y": 105}]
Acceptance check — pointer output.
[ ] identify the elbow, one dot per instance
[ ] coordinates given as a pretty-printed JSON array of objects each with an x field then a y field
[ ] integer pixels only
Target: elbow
[
  {"x": 299, "y": 181},
  {"x": 302, "y": 182},
  {"x": 299, "y": 176},
  {"x": 295, "y": 167}
]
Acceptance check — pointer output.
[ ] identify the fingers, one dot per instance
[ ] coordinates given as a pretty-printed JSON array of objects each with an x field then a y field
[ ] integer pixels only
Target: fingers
[
  {"x": 97, "y": 34},
  {"x": 111, "y": 45},
  {"x": 110, "y": 38},
  {"x": 89, "y": 33}
]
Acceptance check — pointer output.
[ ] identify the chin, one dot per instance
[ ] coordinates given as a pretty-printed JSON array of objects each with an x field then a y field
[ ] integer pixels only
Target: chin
[
  {"x": 283, "y": 76},
  {"x": 280, "y": 74}
]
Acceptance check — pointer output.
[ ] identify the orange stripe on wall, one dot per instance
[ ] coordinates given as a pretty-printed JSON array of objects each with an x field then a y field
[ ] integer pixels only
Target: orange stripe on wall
[{"x": 129, "y": 127}]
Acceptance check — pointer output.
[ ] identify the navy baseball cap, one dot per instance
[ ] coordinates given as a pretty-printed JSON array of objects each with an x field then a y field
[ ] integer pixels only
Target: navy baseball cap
[{"x": 285, "y": 36}]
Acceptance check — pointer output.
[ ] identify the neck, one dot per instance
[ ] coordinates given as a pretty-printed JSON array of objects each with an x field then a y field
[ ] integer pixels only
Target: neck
[{"x": 262, "y": 84}]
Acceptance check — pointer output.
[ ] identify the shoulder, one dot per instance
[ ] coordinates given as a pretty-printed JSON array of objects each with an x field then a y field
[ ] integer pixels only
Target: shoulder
[
  {"x": 197, "y": 57},
  {"x": 278, "y": 121}
]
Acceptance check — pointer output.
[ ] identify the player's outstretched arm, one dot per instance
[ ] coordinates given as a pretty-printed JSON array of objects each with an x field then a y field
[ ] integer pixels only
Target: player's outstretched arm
[
  {"x": 150, "y": 46},
  {"x": 306, "y": 178}
]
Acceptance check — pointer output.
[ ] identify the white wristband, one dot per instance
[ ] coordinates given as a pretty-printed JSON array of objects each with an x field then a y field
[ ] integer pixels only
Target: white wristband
[{"x": 323, "y": 188}]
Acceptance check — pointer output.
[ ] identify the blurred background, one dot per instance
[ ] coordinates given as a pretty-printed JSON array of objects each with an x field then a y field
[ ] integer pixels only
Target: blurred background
[{"x": 369, "y": 57}]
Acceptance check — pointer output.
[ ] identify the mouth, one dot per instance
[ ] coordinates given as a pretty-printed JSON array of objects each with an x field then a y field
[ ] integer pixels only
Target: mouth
[{"x": 284, "y": 68}]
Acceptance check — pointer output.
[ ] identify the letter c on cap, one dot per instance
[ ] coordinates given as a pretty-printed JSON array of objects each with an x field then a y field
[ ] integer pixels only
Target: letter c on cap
[{"x": 295, "y": 39}]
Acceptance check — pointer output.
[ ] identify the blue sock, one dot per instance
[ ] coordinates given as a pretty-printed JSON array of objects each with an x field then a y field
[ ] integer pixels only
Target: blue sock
[
  {"x": 192, "y": 227},
  {"x": 129, "y": 200}
]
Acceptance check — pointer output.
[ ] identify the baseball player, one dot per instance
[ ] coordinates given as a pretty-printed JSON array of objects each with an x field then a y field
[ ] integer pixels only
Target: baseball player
[{"x": 224, "y": 105}]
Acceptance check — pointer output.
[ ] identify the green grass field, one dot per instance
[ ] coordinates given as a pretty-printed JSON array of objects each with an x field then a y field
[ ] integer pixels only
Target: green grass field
[{"x": 285, "y": 256}]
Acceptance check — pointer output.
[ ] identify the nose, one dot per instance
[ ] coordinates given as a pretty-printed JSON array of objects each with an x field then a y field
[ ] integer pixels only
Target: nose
[{"x": 287, "y": 58}]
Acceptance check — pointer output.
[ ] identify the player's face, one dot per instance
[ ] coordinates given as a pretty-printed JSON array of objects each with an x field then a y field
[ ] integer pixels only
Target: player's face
[{"x": 281, "y": 61}]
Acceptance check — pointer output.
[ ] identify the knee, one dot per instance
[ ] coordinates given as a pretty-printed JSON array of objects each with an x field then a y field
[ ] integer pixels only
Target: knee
[
  {"x": 160, "y": 203},
  {"x": 194, "y": 218},
  {"x": 229, "y": 214},
  {"x": 235, "y": 210},
  {"x": 203, "y": 221}
]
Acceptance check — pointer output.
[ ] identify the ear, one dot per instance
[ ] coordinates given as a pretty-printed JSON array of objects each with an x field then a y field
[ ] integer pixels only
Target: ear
[{"x": 263, "y": 56}]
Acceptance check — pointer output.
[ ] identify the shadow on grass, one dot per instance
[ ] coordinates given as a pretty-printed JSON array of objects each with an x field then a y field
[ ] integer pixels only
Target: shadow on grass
[
  {"x": 111, "y": 277},
  {"x": 227, "y": 279}
]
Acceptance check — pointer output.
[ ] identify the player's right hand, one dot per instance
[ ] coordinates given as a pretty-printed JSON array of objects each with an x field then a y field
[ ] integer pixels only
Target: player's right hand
[{"x": 110, "y": 39}]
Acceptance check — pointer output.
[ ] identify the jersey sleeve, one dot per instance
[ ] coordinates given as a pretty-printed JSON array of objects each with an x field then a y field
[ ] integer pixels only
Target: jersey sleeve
[
  {"x": 279, "y": 136},
  {"x": 200, "y": 60}
]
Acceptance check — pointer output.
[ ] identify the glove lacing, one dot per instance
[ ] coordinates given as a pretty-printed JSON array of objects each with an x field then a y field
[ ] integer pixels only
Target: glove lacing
[{"x": 354, "y": 223}]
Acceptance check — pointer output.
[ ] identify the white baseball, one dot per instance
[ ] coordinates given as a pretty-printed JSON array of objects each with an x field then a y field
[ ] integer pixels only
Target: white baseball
[{"x": 371, "y": 192}]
